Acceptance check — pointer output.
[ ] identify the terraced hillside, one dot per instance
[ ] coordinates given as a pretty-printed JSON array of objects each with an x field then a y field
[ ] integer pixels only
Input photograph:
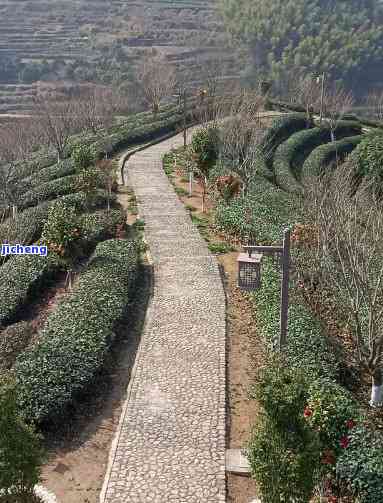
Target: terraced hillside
[{"x": 93, "y": 40}]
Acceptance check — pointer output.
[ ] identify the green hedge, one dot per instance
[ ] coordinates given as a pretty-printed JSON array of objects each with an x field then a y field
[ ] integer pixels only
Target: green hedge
[
  {"x": 58, "y": 170},
  {"x": 78, "y": 334},
  {"x": 22, "y": 277},
  {"x": 309, "y": 351},
  {"x": 269, "y": 209},
  {"x": 290, "y": 156},
  {"x": 135, "y": 121},
  {"x": 132, "y": 135},
  {"x": 36, "y": 163},
  {"x": 49, "y": 190},
  {"x": 101, "y": 225},
  {"x": 13, "y": 340},
  {"x": 362, "y": 465},
  {"x": 325, "y": 155},
  {"x": 28, "y": 224},
  {"x": 280, "y": 130}
]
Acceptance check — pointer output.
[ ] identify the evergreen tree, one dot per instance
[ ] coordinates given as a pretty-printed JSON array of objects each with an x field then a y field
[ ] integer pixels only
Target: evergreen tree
[{"x": 341, "y": 37}]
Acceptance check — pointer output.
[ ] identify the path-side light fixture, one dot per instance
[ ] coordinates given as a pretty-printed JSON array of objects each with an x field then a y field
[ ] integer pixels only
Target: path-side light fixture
[
  {"x": 249, "y": 271},
  {"x": 249, "y": 276}
]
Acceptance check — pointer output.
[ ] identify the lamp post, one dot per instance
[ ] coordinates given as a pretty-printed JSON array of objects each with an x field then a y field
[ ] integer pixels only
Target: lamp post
[
  {"x": 322, "y": 77},
  {"x": 185, "y": 114},
  {"x": 247, "y": 281}
]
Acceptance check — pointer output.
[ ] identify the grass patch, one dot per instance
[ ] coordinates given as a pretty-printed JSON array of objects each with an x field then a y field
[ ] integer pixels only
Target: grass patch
[
  {"x": 181, "y": 192},
  {"x": 218, "y": 248}
]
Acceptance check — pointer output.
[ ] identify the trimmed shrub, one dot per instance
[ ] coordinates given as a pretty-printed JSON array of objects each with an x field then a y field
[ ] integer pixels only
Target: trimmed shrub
[
  {"x": 308, "y": 349},
  {"x": 290, "y": 156},
  {"x": 280, "y": 130},
  {"x": 26, "y": 228},
  {"x": 21, "y": 277},
  {"x": 361, "y": 465},
  {"x": 284, "y": 452},
  {"x": 101, "y": 225},
  {"x": 131, "y": 135},
  {"x": 368, "y": 157},
  {"x": 78, "y": 334},
  {"x": 82, "y": 156},
  {"x": 13, "y": 340},
  {"x": 36, "y": 163},
  {"x": 21, "y": 455},
  {"x": 49, "y": 190},
  {"x": 54, "y": 188},
  {"x": 58, "y": 170},
  {"x": 330, "y": 407},
  {"x": 261, "y": 214},
  {"x": 326, "y": 155}
]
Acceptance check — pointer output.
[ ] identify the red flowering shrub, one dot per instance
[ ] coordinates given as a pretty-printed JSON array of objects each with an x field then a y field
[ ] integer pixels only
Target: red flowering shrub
[{"x": 344, "y": 442}]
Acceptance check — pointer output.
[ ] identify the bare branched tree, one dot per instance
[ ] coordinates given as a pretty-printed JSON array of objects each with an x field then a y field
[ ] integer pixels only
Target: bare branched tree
[
  {"x": 348, "y": 254},
  {"x": 336, "y": 103},
  {"x": 157, "y": 79},
  {"x": 307, "y": 93},
  {"x": 15, "y": 146},
  {"x": 375, "y": 102},
  {"x": 98, "y": 105},
  {"x": 241, "y": 136},
  {"x": 109, "y": 177},
  {"x": 58, "y": 121}
]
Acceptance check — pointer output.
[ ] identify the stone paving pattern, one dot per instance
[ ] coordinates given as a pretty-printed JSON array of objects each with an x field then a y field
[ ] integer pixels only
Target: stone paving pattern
[{"x": 170, "y": 446}]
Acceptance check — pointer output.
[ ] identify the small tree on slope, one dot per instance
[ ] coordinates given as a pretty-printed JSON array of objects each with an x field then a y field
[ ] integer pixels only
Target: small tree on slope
[{"x": 347, "y": 252}]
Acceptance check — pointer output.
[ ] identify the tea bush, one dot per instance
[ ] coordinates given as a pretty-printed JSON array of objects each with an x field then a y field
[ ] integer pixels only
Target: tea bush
[
  {"x": 280, "y": 130},
  {"x": 361, "y": 465},
  {"x": 49, "y": 190},
  {"x": 21, "y": 455},
  {"x": 23, "y": 277},
  {"x": 58, "y": 170},
  {"x": 330, "y": 409},
  {"x": 26, "y": 228},
  {"x": 78, "y": 334},
  {"x": 326, "y": 155},
  {"x": 368, "y": 157},
  {"x": 290, "y": 156},
  {"x": 262, "y": 213},
  {"x": 284, "y": 452},
  {"x": 13, "y": 340}
]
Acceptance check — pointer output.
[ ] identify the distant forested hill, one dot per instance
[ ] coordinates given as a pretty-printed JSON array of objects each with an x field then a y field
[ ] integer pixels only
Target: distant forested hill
[{"x": 341, "y": 37}]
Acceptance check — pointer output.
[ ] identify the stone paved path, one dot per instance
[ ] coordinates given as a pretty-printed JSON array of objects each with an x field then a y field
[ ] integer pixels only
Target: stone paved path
[{"x": 170, "y": 446}]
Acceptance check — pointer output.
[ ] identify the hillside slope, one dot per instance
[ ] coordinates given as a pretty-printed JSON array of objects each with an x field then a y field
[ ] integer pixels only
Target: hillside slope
[{"x": 94, "y": 40}]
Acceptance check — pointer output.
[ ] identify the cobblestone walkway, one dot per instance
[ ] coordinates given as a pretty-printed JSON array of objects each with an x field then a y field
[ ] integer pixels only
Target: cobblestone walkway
[{"x": 170, "y": 446}]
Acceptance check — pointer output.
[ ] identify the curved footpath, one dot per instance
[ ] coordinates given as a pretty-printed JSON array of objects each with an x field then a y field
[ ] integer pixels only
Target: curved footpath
[{"x": 170, "y": 445}]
